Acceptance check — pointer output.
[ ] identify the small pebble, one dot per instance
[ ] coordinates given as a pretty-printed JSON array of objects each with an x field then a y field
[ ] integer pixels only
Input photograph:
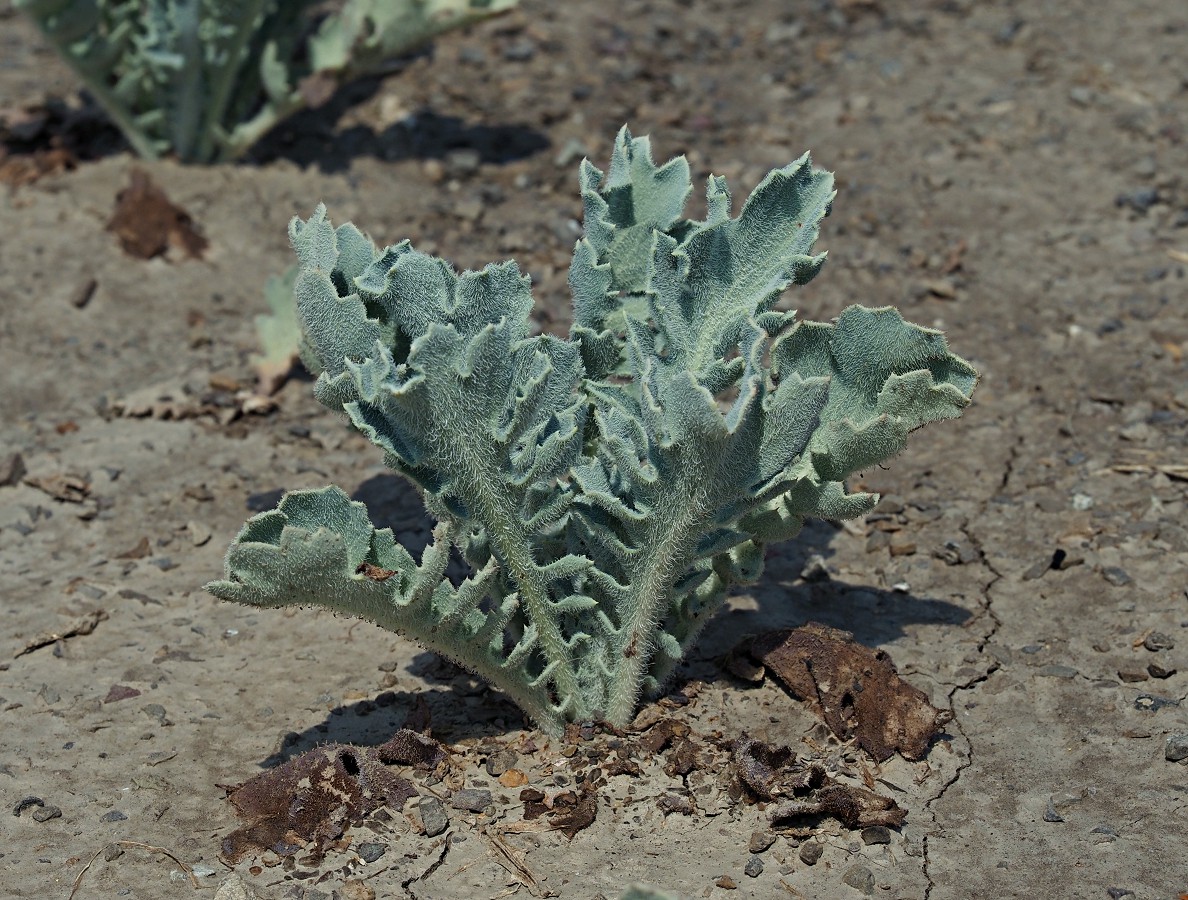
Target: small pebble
[
  {"x": 114, "y": 816},
  {"x": 1116, "y": 576},
  {"x": 860, "y": 878},
  {"x": 1157, "y": 641},
  {"x": 371, "y": 851},
  {"x": 876, "y": 834},
  {"x": 45, "y": 813},
  {"x": 810, "y": 852},
  {"x": 433, "y": 816},
  {"x": 754, "y": 867},
  {"x": 112, "y": 852},
  {"x": 1050, "y": 814},
  {"x": 1117, "y": 893},
  {"x": 760, "y": 841},
  {"x": 498, "y": 763},
  {"x": 471, "y": 799},
  {"x": 1176, "y": 748},
  {"x": 1057, "y": 672},
  {"x": 726, "y": 883},
  {"x": 1161, "y": 669}
]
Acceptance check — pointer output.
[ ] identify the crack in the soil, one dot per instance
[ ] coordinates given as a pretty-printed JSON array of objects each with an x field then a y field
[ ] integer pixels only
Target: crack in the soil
[
  {"x": 1008, "y": 468},
  {"x": 987, "y": 611},
  {"x": 406, "y": 885}
]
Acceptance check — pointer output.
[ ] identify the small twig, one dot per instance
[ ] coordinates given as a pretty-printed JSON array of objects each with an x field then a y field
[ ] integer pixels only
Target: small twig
[
  {"x": 1178, "y": 255},
  {"x": 85, "y": 625},
  {"x": 514, "y": 862},
  {"x": 137, "y": 844}
]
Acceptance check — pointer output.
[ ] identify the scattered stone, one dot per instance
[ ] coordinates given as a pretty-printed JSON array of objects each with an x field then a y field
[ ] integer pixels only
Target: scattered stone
[
  {"x": 112, "y": 852},
  {"x": 810, "y": 852},
  {"x": 1140, "y": 200},
  {"x": 513, "y": 778},
  {"x": 155, "y": 711},
  {"x": 1106, "y": 832},
  {"x": 371, "y": 851},
  {"x": 876, "y": 834},
  {"x": 754, "y": 867},
  {"x": 119, "y": 692},
  {"x": 1176, "y": 748},
  {"x": 26, "y": 803},
  {"x": 676, "y": 803},
  {"x": 1157, "y": 641},
  {"x": 726, "y": 883},
  {"x": 49, "y": 694},
  {"x": 12, "y": 469},
  {"x": 1117, "y": 893},
  {"x": 1131, "y": 676},
  {"x": 498, "y": 763},
  {"x": 45, "y": 813},
  {"x": 1057, "y": 672},
  {"x": 1050, "y": 814},
  {"x": 433, "y": 816},
  {"x": 760, "y": 841},
  {"x": 1161, "y": 669},
  {"x": 1116, "y": 576},
  {"x": 860, "y": 878},
  {"x": 471, "y": 799},
  {"x": 114, "y": 816}
]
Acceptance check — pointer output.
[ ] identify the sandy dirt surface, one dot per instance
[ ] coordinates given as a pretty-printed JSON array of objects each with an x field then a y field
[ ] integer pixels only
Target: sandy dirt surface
[{"x": 1012, "y": 173}]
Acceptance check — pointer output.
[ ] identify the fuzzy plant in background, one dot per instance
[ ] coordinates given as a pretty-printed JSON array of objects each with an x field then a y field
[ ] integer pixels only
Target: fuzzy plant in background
[
  {"x": 205, "y": 79},
  {"x": 607, "y": 488}
]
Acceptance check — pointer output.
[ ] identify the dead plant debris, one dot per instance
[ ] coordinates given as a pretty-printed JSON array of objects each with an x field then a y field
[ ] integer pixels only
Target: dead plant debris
[
  {"x": 148, "y": 224},
  {"x": 310, "y": 800},
  {"x": 855, "y": 689},
  {"x": 85, "y": 624}
]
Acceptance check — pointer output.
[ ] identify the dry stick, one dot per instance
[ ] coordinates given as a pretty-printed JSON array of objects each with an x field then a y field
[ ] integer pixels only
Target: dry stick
[
  {"x": 78, "y": 879},
  {"x": 514, "y": 861},
  {"x": 84, "y": 625}
]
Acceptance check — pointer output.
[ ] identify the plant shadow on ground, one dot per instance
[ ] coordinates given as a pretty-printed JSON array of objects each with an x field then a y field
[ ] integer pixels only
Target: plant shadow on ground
[
  {"x": 461, "y": 706},
  {"x": 313, "y": 137},
  {"x": 81, "y": 128}
]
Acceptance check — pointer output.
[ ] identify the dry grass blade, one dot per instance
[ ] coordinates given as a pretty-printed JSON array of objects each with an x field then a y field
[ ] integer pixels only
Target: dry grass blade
[
  {"x": 139, "y": 846},
  {"x": 514, "y": 861}
]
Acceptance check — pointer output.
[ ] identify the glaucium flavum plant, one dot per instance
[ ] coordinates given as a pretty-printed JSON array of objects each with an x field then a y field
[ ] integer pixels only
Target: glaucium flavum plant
[
  {"x": 607, "y": 488},
  {"x": 205, "y": 79}
]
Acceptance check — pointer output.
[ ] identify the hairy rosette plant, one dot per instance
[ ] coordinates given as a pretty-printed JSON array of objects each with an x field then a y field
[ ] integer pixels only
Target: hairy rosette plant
[
  {"x": 205, "y": 79},
  {"x": 607, "y": 488}
]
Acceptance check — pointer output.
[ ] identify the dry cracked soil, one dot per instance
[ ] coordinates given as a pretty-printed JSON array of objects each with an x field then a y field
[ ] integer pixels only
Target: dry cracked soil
[{"x": 1013, "y": 173}]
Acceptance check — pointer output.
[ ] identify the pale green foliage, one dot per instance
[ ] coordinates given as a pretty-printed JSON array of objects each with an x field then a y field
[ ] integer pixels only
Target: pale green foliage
[
  {"x": 206, "y": 78},
  {"x": 607, "y": 489}
]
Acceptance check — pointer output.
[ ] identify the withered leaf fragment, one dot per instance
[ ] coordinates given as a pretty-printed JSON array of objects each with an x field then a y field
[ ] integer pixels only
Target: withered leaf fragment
[
  {"x": 568, "y": 812},
  {"x": 312, "y": 798},
  {"x": 772, "y": 773},
  {"x": 855, "y": 689},
  {"x": 147, "y": 223}
]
